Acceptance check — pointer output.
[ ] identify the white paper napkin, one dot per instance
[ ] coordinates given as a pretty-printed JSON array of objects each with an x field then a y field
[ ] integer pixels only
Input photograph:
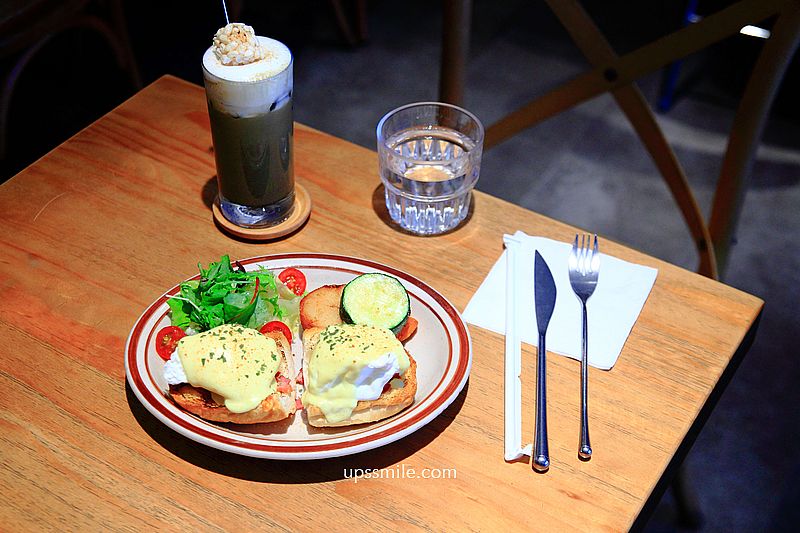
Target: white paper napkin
[
  {"x": 621, "y": 292},
  {"x": 504, "y": 303}
]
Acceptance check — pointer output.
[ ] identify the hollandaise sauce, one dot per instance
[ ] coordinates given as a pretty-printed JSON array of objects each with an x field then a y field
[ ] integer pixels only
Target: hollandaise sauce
[
  {"x": 235, "y": 363},
  {"x": 351, "y": 362}
]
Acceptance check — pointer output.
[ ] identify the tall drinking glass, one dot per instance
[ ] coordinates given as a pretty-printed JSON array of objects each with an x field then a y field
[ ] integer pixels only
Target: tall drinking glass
[
  {"x": 429, "y": 158},
  {"x": 250, "y": 107}
]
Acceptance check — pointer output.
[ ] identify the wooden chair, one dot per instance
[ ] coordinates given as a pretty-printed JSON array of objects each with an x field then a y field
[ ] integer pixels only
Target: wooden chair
[
  {"x": 456, "y": 23},
  {"x": 617, "y": 75},
  {"x": 26, "y": 26}
]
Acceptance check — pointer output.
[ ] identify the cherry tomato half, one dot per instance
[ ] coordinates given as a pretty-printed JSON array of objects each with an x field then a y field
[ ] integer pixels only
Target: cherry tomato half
[
  {"x": 294, "y": 280},
  {"x": 167, "y": 340},
  {"x": 277, "y": 325}
]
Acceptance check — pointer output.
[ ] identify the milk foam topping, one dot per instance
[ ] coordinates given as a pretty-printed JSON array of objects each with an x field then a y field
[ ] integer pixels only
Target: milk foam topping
[{"x": 252, "y": 88}]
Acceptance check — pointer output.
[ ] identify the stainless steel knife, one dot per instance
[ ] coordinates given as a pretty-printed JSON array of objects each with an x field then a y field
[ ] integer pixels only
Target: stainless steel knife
[{"x": 544, "y": 292}]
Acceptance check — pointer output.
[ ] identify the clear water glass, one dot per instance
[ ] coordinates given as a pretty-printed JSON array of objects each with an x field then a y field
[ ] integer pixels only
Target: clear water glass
[{"x": 430, "y": 159}]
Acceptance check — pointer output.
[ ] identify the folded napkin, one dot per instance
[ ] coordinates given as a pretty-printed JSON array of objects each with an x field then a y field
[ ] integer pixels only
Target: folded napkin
[
  {"x": 504, "y": 303},
  {"x": 622, "y": 289}
]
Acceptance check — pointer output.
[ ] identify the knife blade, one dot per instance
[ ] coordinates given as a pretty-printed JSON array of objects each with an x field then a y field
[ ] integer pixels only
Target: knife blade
[{"x": 544, "y": 293}]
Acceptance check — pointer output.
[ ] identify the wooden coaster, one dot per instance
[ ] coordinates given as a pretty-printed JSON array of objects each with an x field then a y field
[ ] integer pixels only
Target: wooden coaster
[{"x": 299, "y": 214}]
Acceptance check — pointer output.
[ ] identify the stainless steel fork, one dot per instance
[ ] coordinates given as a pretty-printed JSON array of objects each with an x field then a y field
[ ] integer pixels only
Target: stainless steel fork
[{"x": 584, "y": 268}]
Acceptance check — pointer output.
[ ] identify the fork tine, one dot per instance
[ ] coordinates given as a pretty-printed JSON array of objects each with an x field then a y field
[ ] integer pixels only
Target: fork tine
[
  {"x": 573, "y": 254},
  {"x": 588, "y": 254},
  {"x": 596, "y": 262},
  {"x": 582, "y": 255}
]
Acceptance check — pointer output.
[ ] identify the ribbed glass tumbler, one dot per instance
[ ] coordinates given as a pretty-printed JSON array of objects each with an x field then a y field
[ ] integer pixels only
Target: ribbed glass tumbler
[{"x": 430, "y": 159}]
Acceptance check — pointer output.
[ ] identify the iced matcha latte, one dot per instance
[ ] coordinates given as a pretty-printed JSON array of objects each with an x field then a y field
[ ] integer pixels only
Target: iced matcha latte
[{"x": 248, "y": 82}]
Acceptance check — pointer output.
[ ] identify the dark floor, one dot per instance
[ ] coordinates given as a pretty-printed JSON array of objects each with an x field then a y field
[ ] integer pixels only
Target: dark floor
[{"x": 585, "y": 167}]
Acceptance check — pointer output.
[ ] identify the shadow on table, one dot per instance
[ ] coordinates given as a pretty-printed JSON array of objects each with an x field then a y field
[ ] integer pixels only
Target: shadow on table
[
  {"x": 379, "y": 206},
  {"x": 290, "y": 472},
  {"x": 209, "y": 192},
  {"x": 209, "y": 195}
]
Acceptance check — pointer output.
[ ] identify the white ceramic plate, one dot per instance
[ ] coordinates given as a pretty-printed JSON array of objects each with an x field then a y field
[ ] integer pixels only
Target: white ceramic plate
[{"x": 441, "y": 347}]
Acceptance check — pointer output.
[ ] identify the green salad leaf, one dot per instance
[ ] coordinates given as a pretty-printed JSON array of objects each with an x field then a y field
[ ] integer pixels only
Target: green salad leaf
[{"x": 224, "y": 295}]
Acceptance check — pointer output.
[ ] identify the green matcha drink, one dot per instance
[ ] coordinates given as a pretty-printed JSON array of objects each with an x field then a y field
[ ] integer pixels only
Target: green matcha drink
[{"x": 248, "y": 83}]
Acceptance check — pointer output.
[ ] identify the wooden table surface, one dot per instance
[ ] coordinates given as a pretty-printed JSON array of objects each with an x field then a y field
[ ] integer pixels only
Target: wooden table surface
[{"x": 100, "y": 227}]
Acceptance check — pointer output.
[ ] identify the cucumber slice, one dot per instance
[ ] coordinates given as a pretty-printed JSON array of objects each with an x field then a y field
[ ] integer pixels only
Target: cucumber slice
[{"x": 376, "y": 300}]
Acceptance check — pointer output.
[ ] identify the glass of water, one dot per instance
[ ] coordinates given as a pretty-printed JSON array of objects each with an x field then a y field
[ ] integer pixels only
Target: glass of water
[{"x": 430, "y": 158}]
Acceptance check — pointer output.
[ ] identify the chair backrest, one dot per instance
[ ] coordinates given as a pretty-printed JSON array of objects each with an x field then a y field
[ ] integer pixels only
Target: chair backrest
[{"x": 617, "y": 75}]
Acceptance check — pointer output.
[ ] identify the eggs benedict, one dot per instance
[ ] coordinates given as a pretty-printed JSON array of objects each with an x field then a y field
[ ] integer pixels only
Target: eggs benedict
[
  {"x": 355, "y": 373},
  {"x": 233, "y": 374}
]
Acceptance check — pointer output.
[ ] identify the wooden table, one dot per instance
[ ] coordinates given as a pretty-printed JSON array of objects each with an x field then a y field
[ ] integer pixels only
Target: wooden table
[{"x": 97, "y": 229}]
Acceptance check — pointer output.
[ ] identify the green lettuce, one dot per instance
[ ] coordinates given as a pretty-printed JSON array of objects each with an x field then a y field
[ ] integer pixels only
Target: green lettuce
[{"x": 224, "y": 295}]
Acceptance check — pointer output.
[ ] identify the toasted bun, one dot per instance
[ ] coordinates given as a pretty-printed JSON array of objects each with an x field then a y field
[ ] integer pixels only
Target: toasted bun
[
  {"x": 387, "y": 404},
  {"x": 320, "y": 309},
  {"x": 274, "y": 407}
]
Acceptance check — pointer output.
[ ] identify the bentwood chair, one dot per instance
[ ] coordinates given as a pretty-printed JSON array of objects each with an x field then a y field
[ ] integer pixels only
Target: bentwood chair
[
  {"x": 617, "y": 75},
  {"x": 27, "y": 26}
]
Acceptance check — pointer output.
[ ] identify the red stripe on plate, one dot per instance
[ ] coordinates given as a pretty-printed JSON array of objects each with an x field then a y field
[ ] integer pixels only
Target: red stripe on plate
[{"x": 406, "y": 419}]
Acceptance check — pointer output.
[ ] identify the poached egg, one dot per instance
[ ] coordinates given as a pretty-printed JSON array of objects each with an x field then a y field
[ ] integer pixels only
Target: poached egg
[
  {"x": 236, "y": 364},
  {"x": 349, "y": 363}
]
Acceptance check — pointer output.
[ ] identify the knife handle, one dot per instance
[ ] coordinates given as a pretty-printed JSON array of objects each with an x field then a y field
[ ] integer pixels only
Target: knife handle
[{"x": 541, "y": 457}]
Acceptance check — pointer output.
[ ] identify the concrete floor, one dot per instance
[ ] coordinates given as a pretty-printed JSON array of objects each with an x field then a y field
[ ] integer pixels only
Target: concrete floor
[{"x": 585, "y": 167}]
